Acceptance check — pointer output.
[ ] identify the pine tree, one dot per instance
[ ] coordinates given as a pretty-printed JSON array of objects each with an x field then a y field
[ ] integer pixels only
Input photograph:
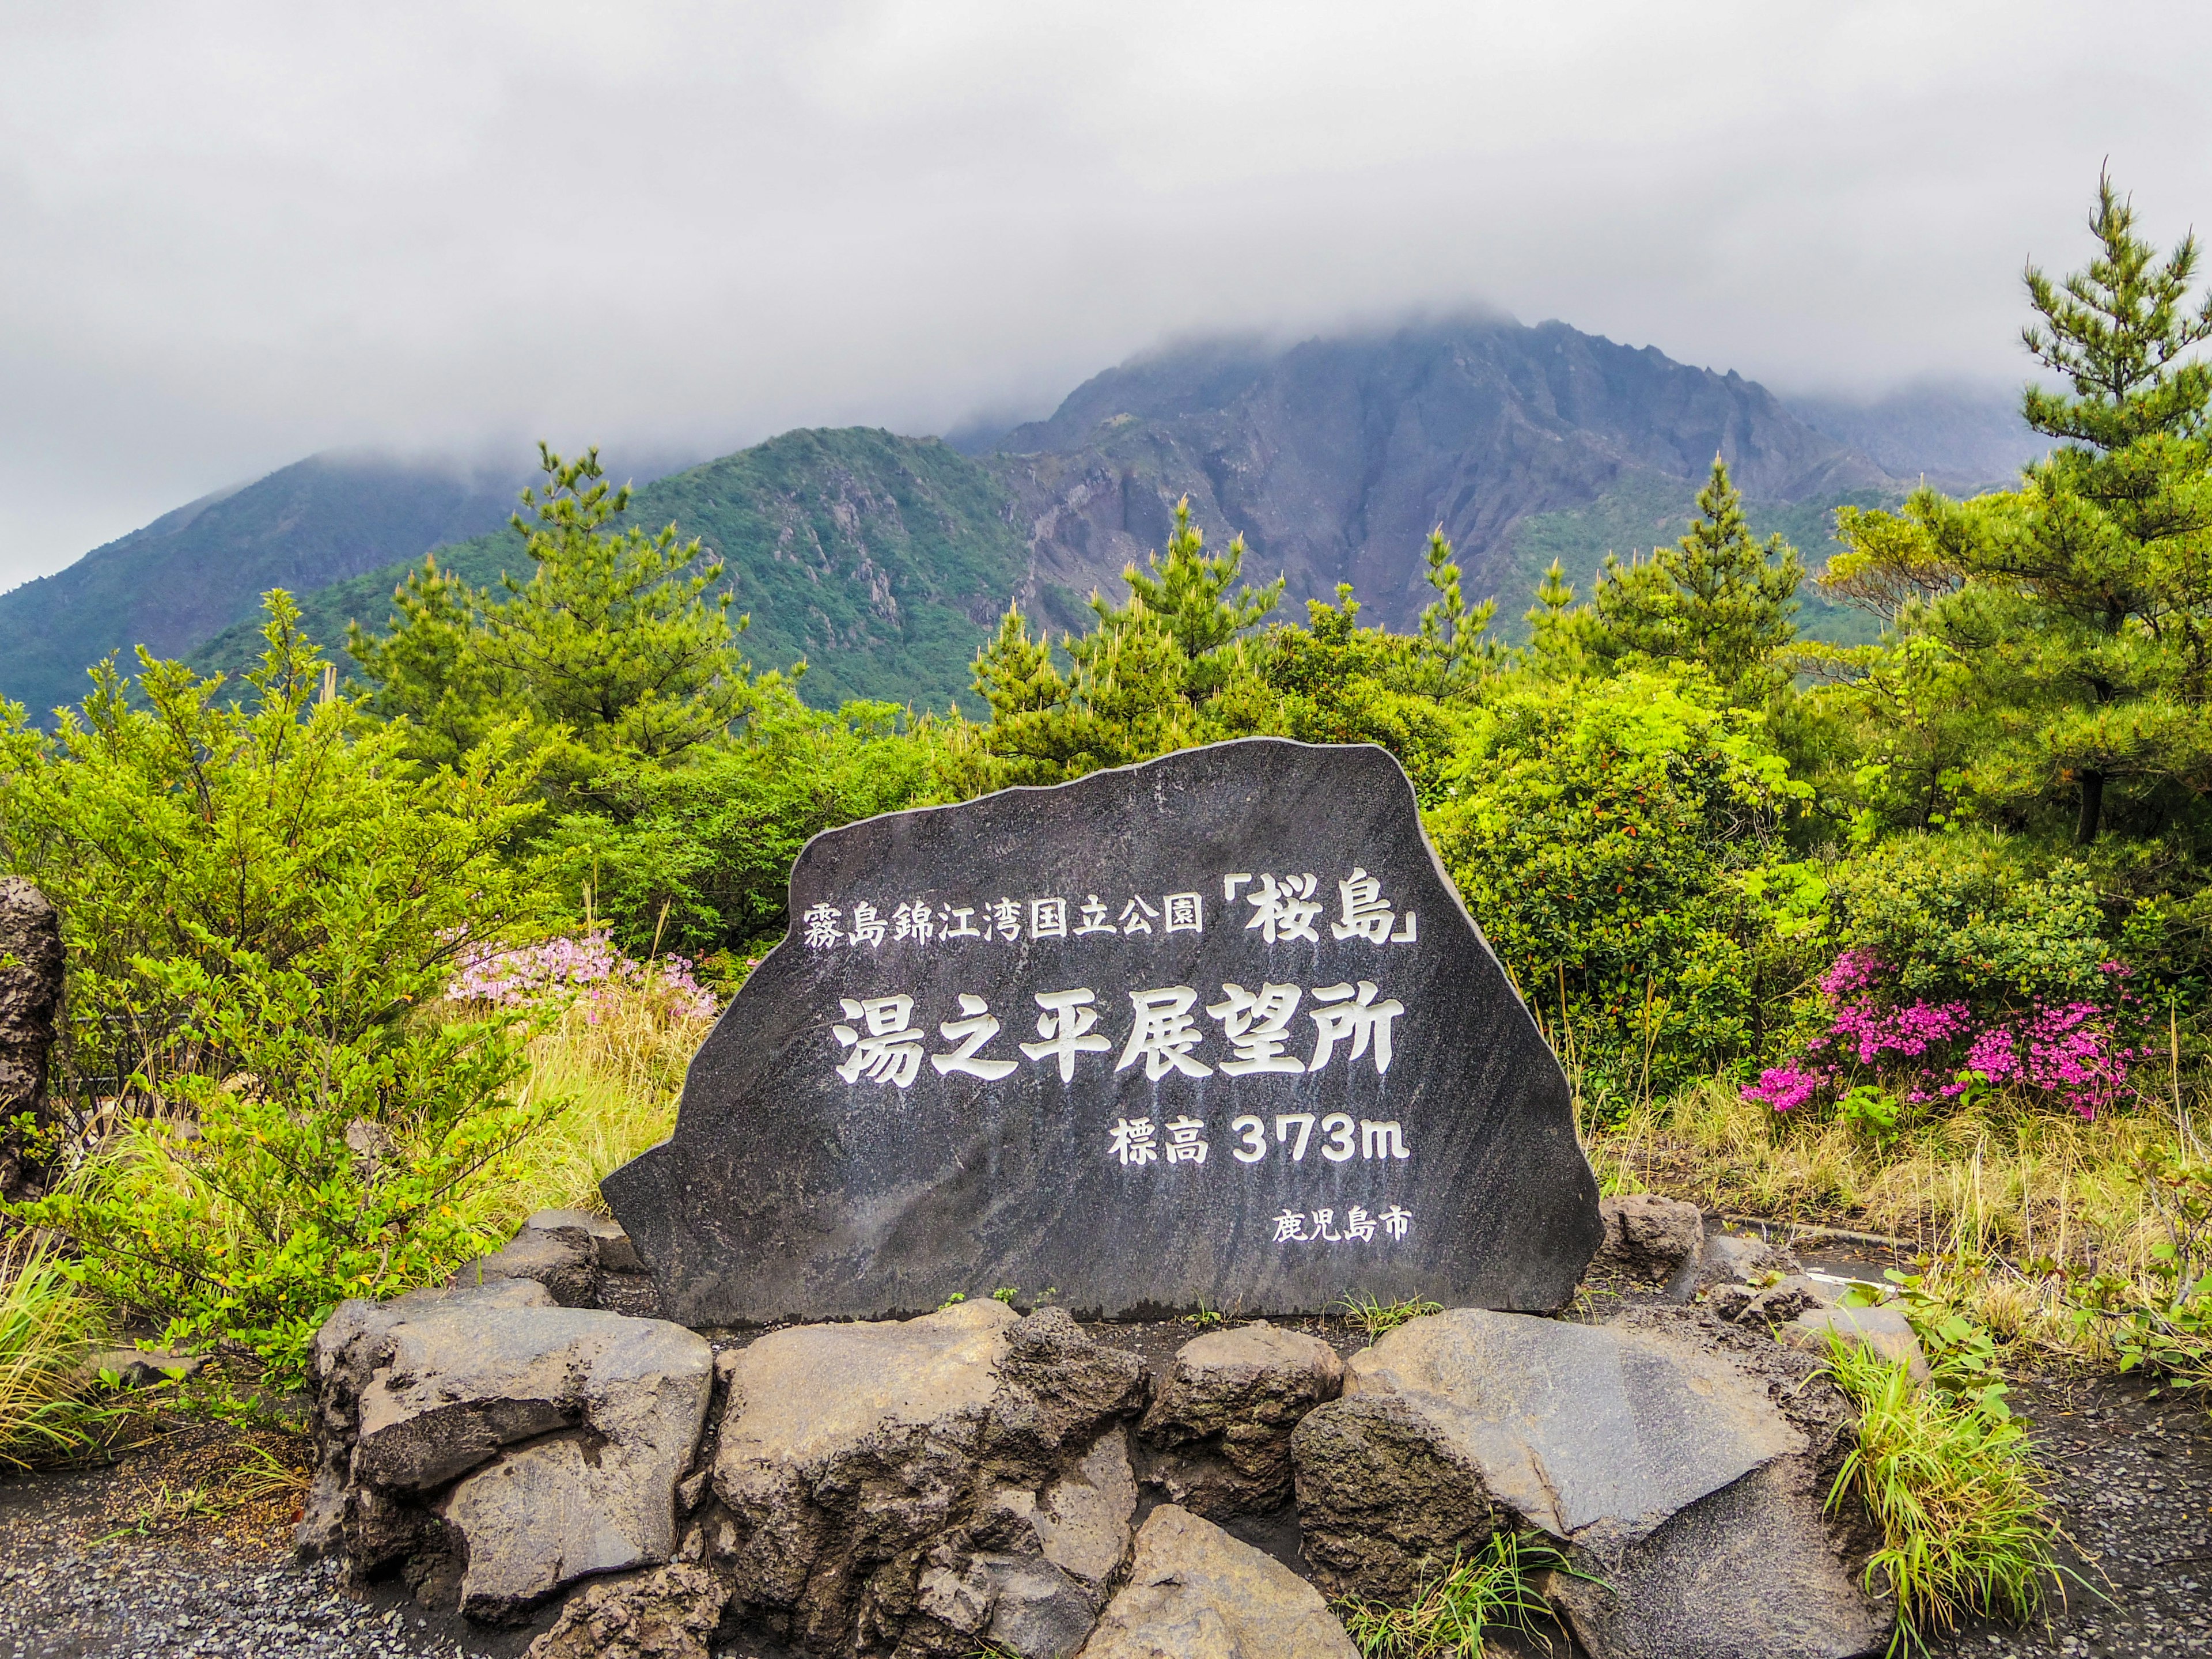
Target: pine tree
[
  {"x": 1453, "y": 651},
  {"x": 1185, "y": 595},
  {"x": 1717, "y": 597},
  {"x": 428, "y": 667}
]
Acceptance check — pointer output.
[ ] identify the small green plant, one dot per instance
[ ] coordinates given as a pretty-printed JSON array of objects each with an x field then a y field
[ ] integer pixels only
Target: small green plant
[
  {"x": 1204, "y": 1316},
  {"x": 952, "y": 1301},
  {"x": 1950, "y": 1480},
  {"x": 1006, "y": 1293},
  {"x": 1374, "y": 1316},
  {"x": 1454, "y": 1611},
  {"x": 1873, "y": 1111},
  {"x": 45, "y": 1327}
]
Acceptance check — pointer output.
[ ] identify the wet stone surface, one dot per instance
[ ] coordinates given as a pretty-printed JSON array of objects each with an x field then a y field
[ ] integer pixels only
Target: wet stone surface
[{"x": 1211, "y": 1029}]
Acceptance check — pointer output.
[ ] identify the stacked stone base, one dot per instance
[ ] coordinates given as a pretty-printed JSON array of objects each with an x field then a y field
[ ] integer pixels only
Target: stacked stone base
[{"x": 976, "y": 1480}]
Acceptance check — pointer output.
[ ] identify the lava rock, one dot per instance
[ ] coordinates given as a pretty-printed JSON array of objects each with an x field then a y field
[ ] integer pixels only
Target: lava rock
[
  {"x": 1193, "y": 1592},
  {"x": 611, "y": 1245},
  {"x": 926, "y": 1485},
  {"x": 934, "y": 1083},
  {"x": 564, "y": 1260},
  {"x": 1650, "y": 1237},
  {"x": 1746, "y": 1572},
  {"x": 667, "y": 1614},
  {"x": 1736, "y": 1259},
  {"x": 1223, "y": 1419},
  {"x": 30, "y": 997},
  {"x": 561, "y": 1432}
]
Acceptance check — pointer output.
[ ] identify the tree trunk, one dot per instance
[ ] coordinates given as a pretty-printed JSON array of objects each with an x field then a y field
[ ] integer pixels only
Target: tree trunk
[{"x": 2093, "y": 808}]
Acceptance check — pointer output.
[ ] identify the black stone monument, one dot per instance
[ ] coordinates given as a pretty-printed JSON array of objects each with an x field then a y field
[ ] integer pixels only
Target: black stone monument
[{"x": 1213, "y": 1028}]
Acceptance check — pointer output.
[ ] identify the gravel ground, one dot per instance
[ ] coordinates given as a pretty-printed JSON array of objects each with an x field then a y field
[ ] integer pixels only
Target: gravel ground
[{"x": 179, "y": 1549}]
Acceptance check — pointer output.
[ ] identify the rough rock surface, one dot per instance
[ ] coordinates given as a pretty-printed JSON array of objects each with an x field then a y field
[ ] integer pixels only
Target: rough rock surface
[
  {"x": 667, "y": 1614},
  {"x": 1884, "y": 1330},
  {"x": 30, "y": 997},
  {"x": 1623, "y": 1442},
  {"x": 1223, "y": 1419},
  {"x": 925, "y": 1485},
  {"x": 1650, "y": 1237},
  {"x": 611, "y": 1245},
  {"x": 561, "y": 1433},
  {"x": 1735, "y": 1259},
  {"x": 562, "y": 1260},
  {"x": 1193, "y": 1592}
]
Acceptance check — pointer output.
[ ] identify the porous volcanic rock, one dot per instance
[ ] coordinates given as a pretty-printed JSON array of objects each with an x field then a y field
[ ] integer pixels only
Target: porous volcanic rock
[
  {"x": 669, "y": 1613},
  {"x": 30, "y": 997},
  {"x": 1650, "y": 1237},
  {"x": 1193, "y": 1592},
  {"x": 1623, "y": 1442},
  {"x": 1736, "y": 1259},
  {"x": 927, "y": 1486},
  {"x": 497, "y": 1446},
  {"x": 1222, "y": 1421}
]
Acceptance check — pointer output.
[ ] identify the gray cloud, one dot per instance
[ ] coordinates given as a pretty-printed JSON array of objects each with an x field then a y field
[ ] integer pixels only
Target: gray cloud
[{"x": 238, "y": 233}]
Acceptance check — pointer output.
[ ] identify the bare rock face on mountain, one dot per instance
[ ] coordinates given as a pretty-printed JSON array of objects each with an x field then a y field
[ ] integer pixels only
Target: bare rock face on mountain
[
  {"x": 1335, "y": 456},
  {"x": 30, "y": 1000}
]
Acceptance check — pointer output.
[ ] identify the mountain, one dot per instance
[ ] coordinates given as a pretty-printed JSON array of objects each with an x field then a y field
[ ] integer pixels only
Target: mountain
[
  {"x": 1962, "y": 439},
  {"x": 883, "y": 561},
  {"x": 192, "y": 572},
  {"x": 1335, "y": 456}
]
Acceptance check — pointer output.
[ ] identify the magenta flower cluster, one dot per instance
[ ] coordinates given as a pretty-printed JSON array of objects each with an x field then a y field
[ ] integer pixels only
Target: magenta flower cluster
[
  {"x": 2073, "y": 1054},
  {"x": 589, "y": 965}
]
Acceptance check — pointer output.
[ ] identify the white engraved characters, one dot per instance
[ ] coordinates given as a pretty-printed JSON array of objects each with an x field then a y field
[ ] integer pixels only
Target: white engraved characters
[
  {"x": 1067, "y": 1025},
  {"x": 1185, "y": 1140},
  {"x": 1319, "y": 1226},
  {"x": 977, "y": 1026},
  {"x": 1258, "y": 1028},
  {"x": 1164, "y": 1034},
  {"x": 912, "y": 921},
  {"x": 1367, "y": 913},
  {"x": 1284, "y": 910},
  {"x": 1361, "y": 1020},
  {"x": 824, "y": 927},
  {"x": 1132, "y": 1141},
  {"x": 1185, "y": 913},
  {"x": 890, "y": 1049},
  {"x": 867, "y": 926},
  {"x": 1376, "y": 1138}
]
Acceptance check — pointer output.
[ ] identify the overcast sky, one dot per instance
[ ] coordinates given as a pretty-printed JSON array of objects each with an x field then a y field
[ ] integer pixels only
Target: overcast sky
[{"x": 236, "y": 233}]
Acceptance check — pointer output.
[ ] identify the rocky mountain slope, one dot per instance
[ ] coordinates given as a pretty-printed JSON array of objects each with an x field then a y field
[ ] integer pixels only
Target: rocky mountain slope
[
  {"x": 883, "y": 561},
  {"x": 1335, "y": 456},
  {"x": 192, "y": 572},
  {"x": 880, "y": 561}
]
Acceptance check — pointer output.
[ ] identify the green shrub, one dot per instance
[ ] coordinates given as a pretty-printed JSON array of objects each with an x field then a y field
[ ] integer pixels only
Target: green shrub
[
  {"x": 169, "y": 825},
  {"x": 1967, "y": 917},
  {"x": 1618, "y": 840},
  {"x": 1457, "y": 1610},
  {"x": 328, "y": 1166}
]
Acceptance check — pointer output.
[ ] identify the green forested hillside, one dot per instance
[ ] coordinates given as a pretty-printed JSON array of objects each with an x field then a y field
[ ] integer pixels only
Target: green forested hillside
[{"x": 881, "y": 561}]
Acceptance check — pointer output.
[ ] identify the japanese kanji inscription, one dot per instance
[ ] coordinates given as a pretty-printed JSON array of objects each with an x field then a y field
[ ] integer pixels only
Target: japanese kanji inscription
[{"x": 1211, "y": 1029}]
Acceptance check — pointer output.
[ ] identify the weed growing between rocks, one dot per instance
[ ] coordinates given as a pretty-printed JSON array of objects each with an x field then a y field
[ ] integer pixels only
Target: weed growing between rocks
[
  {"x": 1453, "y": 1612},
  {"x": 1947, "y": 1474},
  {"x": 1371, "y": 1314}
]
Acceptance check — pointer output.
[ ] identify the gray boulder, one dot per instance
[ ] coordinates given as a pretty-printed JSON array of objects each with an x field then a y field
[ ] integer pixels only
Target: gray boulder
[
  {"x": 611, "y": 1245},
  {"x": 585, "y": 1260},
  {"x": 929, "y": 1484},
  {"x": 1193, "y": 1592},
  {"x": 1621, "y": 1442},
  {"x": 497, "y": 1446},
  {"x": 30, "y": 999},
  {"x": 667, "y": 1614},
  {"x": 1222, "y": 1421},
  {"x": 1884, "y": 1330},
  {"x": 1736, "y": 1259},
  {"x": 1650, "y": 1237}
]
